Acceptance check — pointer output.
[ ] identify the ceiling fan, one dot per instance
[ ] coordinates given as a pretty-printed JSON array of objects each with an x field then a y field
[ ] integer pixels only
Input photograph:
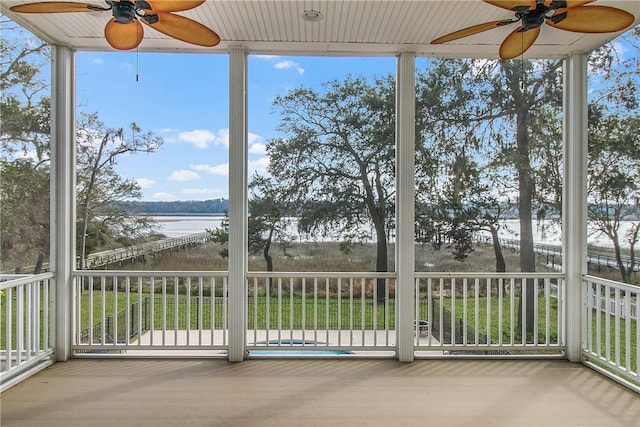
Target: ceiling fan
[
  {"x": 569, "y": 15},
  {"x": 124, "y": 31}
]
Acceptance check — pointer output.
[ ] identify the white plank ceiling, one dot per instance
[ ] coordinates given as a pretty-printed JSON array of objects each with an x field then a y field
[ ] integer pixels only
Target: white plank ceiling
[{"x": 349, "y": 27}]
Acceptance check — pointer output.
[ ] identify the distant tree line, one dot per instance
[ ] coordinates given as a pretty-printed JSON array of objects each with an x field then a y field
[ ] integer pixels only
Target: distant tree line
[{"x": 176, "y": 207}]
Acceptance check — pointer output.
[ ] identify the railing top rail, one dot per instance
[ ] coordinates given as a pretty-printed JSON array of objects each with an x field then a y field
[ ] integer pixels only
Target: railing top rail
[
  {"x": 463, "y": 275},
  {"x": 148, "y": 273},
  {"x": 322, "y": 274},
  {"x": 611, "y": 283},
  {"x": 26, "y": 279}
]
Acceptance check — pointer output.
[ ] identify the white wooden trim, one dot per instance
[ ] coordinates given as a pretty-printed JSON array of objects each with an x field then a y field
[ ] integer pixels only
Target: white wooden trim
[
  {"x": 63, "y": 211},
  {"x": 574, "y": 209},
  {"x": 405, "y": 204},
  {"x": 238, "y": 257}
]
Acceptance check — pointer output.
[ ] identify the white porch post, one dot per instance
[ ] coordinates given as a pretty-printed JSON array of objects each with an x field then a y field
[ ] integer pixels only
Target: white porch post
[
  {"x": 574, "y": 209},
  {"x": 237, "y": 203},
  {"x": 405, "y": 205},
  {"x": 63, "y": 213}
]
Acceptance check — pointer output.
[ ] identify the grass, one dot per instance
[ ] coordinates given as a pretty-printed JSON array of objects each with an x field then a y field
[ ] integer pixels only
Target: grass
[
  {"x": 507, "y": 331},
  {"x": 608, "y": 351},
  {"x": 328, "y": 256}
]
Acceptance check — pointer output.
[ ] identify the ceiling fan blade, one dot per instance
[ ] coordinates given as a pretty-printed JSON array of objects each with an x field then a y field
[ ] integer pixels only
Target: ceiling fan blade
[
  {"x": 123, "y": 36},
  {"x": 55, "y": 7},
  {"x": 513, "y": 4},
  {"x": 172, "y": 5},
  {"x": 469, "y": 31},
  {"x": 593, "y": 19},
  {"x": 185, "y": 29},
  {"x": 518, "y": 42},
  {"x": 576, "y": 3}
]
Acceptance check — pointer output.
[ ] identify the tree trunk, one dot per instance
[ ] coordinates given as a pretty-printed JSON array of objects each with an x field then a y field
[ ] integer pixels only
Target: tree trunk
[
  {"x": 525, "y": 188},
  {"x": 269, "y": 261},
  {"x": 497, "y": 250},
  {"x": 625, "y": 273},
  {"x": 382, "y": 258},
  {"x": 39, "y": 262}
]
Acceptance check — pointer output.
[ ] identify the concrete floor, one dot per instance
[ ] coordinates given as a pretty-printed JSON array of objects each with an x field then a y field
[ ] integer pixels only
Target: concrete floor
[{"x": 357, "y": 392}]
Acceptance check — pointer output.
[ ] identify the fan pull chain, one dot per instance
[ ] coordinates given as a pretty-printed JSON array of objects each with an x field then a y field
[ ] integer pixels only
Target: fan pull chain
[
  {"x": 137, "y": 56},
  {"x": 523, "y": 75}
]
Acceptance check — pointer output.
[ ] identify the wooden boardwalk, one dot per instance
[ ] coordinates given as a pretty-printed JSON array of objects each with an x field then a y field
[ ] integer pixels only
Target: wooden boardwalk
[{"x": 101, "y": 259}]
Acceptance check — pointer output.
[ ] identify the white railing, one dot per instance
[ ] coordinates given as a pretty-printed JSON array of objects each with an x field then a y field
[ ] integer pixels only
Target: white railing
[
  {"x": 27, "y": 318},
  {"x": 144, "y": 312},
  {"x": 611, "y": 329},
  {"x": 321, "y": 313},
  {"x": 480, "y": 314}
]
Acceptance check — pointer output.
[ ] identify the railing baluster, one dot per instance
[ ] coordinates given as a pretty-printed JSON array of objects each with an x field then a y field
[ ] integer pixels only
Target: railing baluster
[
  {"x": 127, "y": 311},
  {"x": 429, "y": 310},
  {"x": 500, "y": 310},
  {"x": 200, "y": 308},
  {"x": 339, "y": 311},
  {"x": 176, "y": 306},
  {"x": 523, "y": 315},
  {"x": 465, "y": 296},
  {"x": 291, "y": 311},
  {"x": 512, "y": 311},
  {"x": 279, "y": 311},
  {"x": 139, "y": 305},
  {"x": 476, "y": 323},
  {"x": 19, "y": 323},
  {"x": 327, "y": 303},
  {"x": 616, "y": 335},
  {"x": 9, "y": 328},
  {"x": 103, "y": 310},
  {"x": 452, "y": 283},
  {"x": 607, "y": 323},
  {"x": 489, "y": 311},
  {"x": 187, "y": 292},
  {"x": 304, "y": 309},
  {"x": 363, "y": 318}
]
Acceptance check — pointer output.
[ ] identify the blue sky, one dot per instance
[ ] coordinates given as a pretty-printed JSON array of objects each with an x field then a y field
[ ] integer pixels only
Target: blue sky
[{"x": 184, "y": 99}]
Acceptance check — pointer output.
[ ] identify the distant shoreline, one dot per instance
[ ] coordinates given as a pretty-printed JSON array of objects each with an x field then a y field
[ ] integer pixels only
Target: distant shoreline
[{"x": 185, "y": 214}]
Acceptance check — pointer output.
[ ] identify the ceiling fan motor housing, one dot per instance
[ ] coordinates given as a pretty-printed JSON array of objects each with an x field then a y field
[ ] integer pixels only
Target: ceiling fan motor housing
[{"x": 124, "y": 12}]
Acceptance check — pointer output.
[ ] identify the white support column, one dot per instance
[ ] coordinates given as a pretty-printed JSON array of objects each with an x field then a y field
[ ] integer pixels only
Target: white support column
[
  {"x": 574, "y": 209},
  {"x": 63, "y": 194},
  {"x": 237, "y": 203},
  {"x": 405, "y": 205}
]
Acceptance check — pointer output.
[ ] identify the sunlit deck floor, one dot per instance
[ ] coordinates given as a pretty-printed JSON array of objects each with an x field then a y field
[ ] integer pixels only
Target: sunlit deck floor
[{"x": 356, "y": 392}]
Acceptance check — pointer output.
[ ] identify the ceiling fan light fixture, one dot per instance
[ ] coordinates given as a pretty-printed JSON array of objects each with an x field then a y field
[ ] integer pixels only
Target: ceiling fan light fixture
[{"x": 312, "y": 16}]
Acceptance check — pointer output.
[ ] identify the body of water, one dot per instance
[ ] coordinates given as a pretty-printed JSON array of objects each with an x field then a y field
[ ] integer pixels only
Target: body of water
[
  {"x": 176, "y": 226},
  {"x": 546, "y": 232}
]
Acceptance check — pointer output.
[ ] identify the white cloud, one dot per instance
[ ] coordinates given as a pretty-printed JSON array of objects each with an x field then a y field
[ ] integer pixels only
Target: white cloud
[
  {"x": 258, "y": 148},
  {"x": 221, "y": 169},
  {"x": 145, "y": 182},
  {"x": 162, "y": 196},
  {"x": 97, "y": 61},
  {"x": 253, "y": 138},
  {"x": 184, "y": 175},
  {"x": 259, "y": 166},
  {"x": 284, "y": 65},
  {"x": 201, "y": 138}
]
